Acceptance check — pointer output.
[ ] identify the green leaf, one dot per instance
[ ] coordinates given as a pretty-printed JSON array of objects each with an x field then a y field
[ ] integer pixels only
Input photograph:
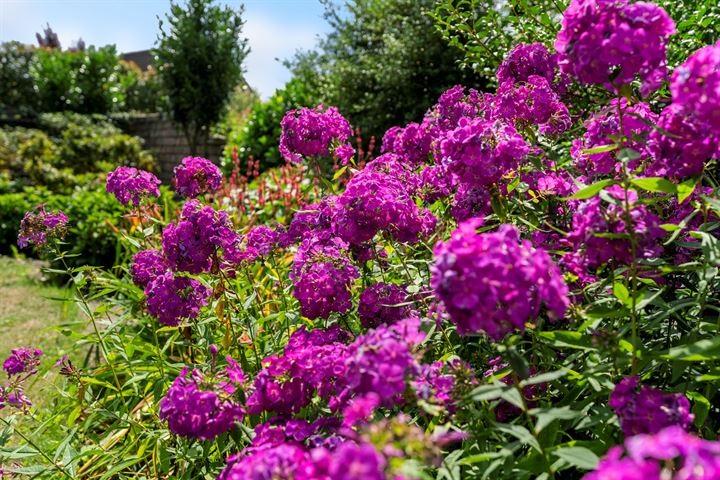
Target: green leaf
[
  {"x": 685, "y": 189},
  {"x": 655, "y": 184},
  {"x": 544, "y": 378},
  {"x": 600, "y": 149},
  {"x": 545, "y": 416},
  {"x": 579, "y": 457},
  {"x": 521, "y": 433},
  {"x": 592, "y": 190},
  {"x": 700, "y": 351},
  {"x": 561, "y": 338},
  {"x": 621, "y": 293}
]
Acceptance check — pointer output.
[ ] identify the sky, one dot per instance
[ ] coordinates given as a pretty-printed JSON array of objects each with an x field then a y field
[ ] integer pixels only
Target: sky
[{"x": 275, "y": 28}]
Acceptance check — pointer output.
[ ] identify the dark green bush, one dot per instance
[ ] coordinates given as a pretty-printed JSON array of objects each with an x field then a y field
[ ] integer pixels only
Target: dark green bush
[
  {"x": 86, "y": 81},
  {"x": 95, "y": 216},
  {"x": 70, "y": 150},
  {"x": 17, "y": 92}
]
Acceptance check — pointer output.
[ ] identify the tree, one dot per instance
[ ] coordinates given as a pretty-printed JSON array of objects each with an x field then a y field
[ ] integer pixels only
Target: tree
[
  {"x": 382, "y": 64},
  {"x": 199, "y": 55}
]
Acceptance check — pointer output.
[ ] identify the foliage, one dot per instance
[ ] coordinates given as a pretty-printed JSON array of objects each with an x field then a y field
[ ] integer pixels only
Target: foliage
[
  {"x": 486, "y": 30},
  {"x": 93, "y": 237},
  {"x": 86, "y": 81},
  {"x": 143, "y": 92},
  {"x": 70, "y": 150},
  {"x": 199, "y": 57},
  {"x": 381, "y": 65},
  {"x": 17, "y": 92},
  {"x": 507, "y": 292}
]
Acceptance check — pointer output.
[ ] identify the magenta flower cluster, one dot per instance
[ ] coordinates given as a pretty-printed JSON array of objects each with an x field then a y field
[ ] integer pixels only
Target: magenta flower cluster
[
  {"x": 376, "y": 200},
  {"x": 147, "y": 265},
  {"x": 130, "y": 185},
  {"x": 322, "y": 275},
  {"x": 22, "y": 360},
  {"x": 172, "y": 298},
  {"x": 192, "y": 244},
  {"x": 314, "y": 133},
  {"x": 481, "y": 152},
  {"x": 196, "y": 176},
  {"x": 19, "y": 366},
  {"x": 609, "y": 42},
  {"x": 671, "y": 454},
  {"x": 603, "y": 130},
  {"x": 493, "y": 282},
  {"x": 643, "y": 409},
  {"x": 38, "y": 227},
  {"x": 600, "y": 232},
  {"x": 695, "y": 87},
  {"x": 532, "y": 102},
  {"x": 202, "y": 406},
  {"x": 526, "y": 60},
  {"x": 383, "y": 303}
]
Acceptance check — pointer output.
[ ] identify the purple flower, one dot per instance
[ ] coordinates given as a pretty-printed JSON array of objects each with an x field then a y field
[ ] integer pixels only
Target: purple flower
[
  {"x": 196, "y": 176},
  {"x": 172, "y": 298},
  {"x": 130, "y": 185},
  {"x": 526, "y": 60},
  {"x": 695, "y": 86},
  {"x": 532, "y": 102},
  {"x": 259, "y": 241},
  {"x": 470, "y": 202},
  {"x": 38, "y": 227},
  {"x": 481, "y": 152},
  {"x": 147, "y": 265},
  {"x": 608, "y": 42},
  {"x": 603, "y": 129},
  {"x": 282, "y": 461},
  {"x": 671, "y": 454},
  {"x": 313, "y": 363},
  {"x": 382, "y": 303},
  {"x": 379, "y": 199},
  {"x": 382, "y": 362},
  {"x": 453, "y": 105},
  {"x": 493, "y": 282},
  {"x": 199, "y": 406},
  {"x": 594, "y": 219},
  {"x": 313, "y": 133},
  {"x": 357, "y": 462},
  {"x": 322, "y": 275},
  {"x": 412, "y": 143},
  {"x": 681, "y": 146},
  {"x": 22, "y": 360},
  {"x": 191, "y": 244},
  {"x": 648, "y": 410}
]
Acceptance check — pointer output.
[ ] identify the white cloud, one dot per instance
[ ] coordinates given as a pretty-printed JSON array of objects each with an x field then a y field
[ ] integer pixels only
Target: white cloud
[{"x": 272, "y": 41}]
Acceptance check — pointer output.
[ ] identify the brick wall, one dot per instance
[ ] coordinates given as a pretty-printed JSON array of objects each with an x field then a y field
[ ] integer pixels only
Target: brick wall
[{"x": 168, "y": 142}]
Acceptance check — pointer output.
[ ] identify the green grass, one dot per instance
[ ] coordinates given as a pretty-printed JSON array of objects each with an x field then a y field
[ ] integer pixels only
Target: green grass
[{"x": 37, "y": 314}]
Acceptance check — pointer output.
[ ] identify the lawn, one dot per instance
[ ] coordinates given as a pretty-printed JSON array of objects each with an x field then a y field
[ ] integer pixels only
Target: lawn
[{"x": 34, "y": 313}]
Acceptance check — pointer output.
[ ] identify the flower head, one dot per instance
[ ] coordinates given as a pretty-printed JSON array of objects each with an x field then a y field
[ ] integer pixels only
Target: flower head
[
  {"x": 608, "y": 42},
  {"x": 39, "y": 226},
  {"x": 196, "y": 176},
  {"x": 313, "y": 133},
  {"x": 494, "y": 282},
  {"x": 130, "y": 185}
]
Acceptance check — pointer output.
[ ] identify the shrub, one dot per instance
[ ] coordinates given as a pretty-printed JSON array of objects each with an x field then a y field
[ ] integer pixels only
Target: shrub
[
  {"x": 567, "y": 311},
  {"x": 83, "y": 81},
  {"x": 17, "y": 93},
  {"x": 71, "y": 150}
]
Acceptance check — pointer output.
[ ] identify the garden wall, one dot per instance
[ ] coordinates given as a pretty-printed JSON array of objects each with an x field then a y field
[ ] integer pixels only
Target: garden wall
[{"x": 168, "y": 143}]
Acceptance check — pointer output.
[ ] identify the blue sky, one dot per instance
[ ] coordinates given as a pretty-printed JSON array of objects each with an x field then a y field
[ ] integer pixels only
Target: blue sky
[{"x": 275, "y": 28}]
